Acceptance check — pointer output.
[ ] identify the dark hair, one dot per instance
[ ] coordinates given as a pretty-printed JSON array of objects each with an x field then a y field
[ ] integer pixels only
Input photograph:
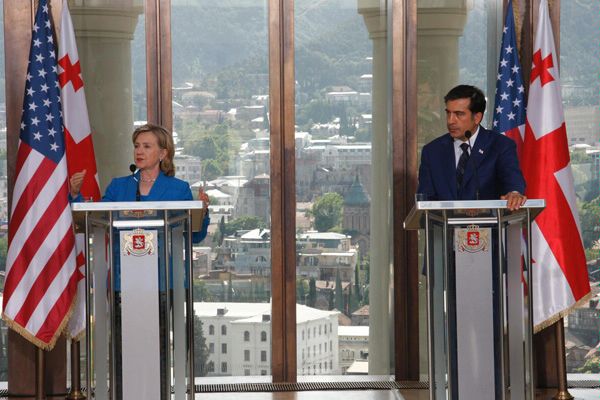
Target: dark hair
[
  {"x": 477, "y": 104},
  {"x": 165, "y": 141}
]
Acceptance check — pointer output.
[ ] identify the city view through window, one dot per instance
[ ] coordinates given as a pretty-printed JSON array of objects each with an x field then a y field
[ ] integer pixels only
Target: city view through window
[{"x": 221, "y": 130}]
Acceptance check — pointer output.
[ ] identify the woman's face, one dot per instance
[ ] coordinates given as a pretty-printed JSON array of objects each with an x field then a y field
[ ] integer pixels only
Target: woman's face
[{"x": 146, "y": 152}]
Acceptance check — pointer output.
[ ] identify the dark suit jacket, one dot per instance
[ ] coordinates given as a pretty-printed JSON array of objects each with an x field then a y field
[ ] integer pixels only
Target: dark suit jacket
[{"x": 493, "y": 155}]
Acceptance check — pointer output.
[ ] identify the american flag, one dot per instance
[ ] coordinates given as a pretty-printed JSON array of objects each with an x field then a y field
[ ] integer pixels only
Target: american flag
[
  {"x": 509, "y": 107},
  {"x": 41, "y": 279}
]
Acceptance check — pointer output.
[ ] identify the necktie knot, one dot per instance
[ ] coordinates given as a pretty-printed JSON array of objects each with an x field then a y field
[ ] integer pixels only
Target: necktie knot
[{"x": 464, "y": 147}]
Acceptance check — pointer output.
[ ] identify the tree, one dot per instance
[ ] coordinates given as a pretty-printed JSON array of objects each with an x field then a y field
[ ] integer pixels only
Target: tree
[
  {"x": 200, "y": 349},
  {"x": 339, "y": 292},
  {"x": 590, "y": 222},
  {"x": 591, "y": 366},
  {"x": 312, "y": 292},
  {"x": 327, "y": 211},
  {"x": 245, "y": 223},
  {"x": 201, "y": 293}
]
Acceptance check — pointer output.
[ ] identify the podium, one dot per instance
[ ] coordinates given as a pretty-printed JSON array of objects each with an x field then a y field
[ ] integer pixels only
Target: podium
[
  {"x": 479, "y": 311},
  {"x": 139, "y": 303}
]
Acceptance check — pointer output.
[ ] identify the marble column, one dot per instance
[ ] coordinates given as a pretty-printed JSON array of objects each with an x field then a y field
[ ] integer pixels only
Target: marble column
[
  {"x": 381, "y": 329},
  {"x": 104, "y": 31}
]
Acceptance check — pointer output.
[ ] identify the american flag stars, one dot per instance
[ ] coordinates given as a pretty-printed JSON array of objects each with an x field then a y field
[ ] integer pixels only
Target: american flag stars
[
  {"x": 509, "y": 113},
  {"x": 42, "y": 110}
]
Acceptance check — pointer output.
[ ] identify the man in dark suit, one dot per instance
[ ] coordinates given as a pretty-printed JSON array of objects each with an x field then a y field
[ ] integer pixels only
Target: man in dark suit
[{"x": 488, "y": 169}]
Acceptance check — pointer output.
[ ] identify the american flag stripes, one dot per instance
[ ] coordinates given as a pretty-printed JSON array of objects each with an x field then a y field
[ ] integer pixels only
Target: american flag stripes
[{"x": 41, "y": 275}]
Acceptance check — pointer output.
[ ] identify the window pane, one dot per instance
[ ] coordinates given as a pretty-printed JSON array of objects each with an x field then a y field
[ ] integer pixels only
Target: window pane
[
  {"x": 221, "y": 122},
  {"x": 580, "y": 63},
  {"x": 343, "y": 175}
]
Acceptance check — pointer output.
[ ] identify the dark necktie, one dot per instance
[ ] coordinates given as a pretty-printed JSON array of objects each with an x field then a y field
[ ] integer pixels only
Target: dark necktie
[{"x": 462, "y": 164}]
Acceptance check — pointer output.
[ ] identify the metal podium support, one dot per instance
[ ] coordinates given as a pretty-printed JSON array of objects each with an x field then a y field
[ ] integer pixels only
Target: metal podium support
[
  {"x": 479, "y": 313},
  {"x": 139, "y": 303}
]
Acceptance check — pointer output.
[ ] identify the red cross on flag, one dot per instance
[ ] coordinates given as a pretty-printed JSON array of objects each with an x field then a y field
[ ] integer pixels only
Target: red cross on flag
[
  {"x": 560, "y": 277},
  {"x": 79, "y": 146}
]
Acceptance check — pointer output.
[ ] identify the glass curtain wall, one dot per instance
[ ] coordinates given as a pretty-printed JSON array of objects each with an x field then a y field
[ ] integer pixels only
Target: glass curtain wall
[
  {"x": 221, "y": 125},
  {"x": 457, "y": 43},
  {"x": 579, "y": 66},
  {"x": 343, "y": 189}
]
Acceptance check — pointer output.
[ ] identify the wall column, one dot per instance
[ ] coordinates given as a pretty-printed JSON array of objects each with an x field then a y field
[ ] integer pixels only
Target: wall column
[
  {"x": 380, "y": 290},
  {"x": 104, "y": 33}
]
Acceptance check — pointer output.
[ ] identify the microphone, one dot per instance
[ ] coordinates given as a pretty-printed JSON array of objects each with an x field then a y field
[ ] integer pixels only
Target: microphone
[
  {"x": 133, "y": 170},
  {"x": 468, "y": 135}
]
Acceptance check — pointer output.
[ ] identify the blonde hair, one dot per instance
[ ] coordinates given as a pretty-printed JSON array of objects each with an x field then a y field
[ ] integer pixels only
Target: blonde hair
[{"x": 165, "y": 141}]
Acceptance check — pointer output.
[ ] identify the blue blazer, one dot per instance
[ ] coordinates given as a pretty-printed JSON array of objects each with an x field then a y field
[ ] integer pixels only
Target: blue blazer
[
  {"x": 165, "y": 188},
  {"x": 493, "y": 155}
]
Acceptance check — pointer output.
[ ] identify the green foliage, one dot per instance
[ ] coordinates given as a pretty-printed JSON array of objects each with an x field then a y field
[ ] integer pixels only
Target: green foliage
[
  {"x": 201, "y": 292},
  {"x": 591, "y": 366},
  {"x": 339, "y": 293},
  {"x": 200, "y": 349},
  {"x": 327, "y": 211},
  {"x": 589, "y": 217},
  {"x": 245, "y": 223},
  {"x": 312, "y": 292}
]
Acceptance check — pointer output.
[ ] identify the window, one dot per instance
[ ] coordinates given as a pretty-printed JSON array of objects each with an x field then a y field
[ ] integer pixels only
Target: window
[
  {"x": 246, "y": 336},
  {"x": 224, "y": 367},
  {"x": 246, "y": 355},
  {"x": 211, "y": 348},
  {"x": 223, "y": 330},
  {"x": 246, "y": 372},
  {"x": 224, "y": 348},
  {"x": 211, "y": 366},
  {"x": 263, "y": 336},
  {"x": 211, "y": 330},
  {"x": 263, "y": 356},
  {"x": 263, "y": 372},
  {"x": 325, "y": 347}
]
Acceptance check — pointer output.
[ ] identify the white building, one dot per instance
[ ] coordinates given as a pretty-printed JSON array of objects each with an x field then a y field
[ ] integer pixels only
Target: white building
[
  {"x": 188, "y": 168},
  {"x": 354, "y": 345},
  {"x": 238, "y": 336}
]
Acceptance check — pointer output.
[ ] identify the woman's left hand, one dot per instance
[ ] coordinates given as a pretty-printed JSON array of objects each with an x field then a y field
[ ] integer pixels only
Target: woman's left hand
[{"x": 202, "y": 196}]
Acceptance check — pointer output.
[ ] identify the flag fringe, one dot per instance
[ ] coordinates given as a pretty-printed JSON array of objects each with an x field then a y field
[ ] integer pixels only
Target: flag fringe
[
  {"x": 553, "y": 319},
  {"x": 81, "y": 334},
  {"x": 15, "y": 326}
]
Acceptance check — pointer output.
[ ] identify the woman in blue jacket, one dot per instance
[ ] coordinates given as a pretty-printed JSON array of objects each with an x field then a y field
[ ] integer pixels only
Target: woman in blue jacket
[{"x": 154, "y": 180}]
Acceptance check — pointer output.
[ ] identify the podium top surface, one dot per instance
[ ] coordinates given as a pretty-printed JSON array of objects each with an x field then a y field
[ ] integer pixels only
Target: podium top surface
[
  {"x": 413, "y": 219},
  {"x": 137, "y": 205}
]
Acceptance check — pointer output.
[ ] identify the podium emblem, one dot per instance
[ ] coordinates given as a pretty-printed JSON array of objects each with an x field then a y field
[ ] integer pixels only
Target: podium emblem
[
  {"x": 138, "y": 243},
  {"x": 472, "y": 239}
]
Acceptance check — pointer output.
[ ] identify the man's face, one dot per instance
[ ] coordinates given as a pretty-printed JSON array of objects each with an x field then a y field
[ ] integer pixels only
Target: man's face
[{"x": 460, "y": 119}]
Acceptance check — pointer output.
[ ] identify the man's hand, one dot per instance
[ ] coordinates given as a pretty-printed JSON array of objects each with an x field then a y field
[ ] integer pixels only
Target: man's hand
[
  {"x": 514, "y": 200},
  {"x": 75, "y": 183}
]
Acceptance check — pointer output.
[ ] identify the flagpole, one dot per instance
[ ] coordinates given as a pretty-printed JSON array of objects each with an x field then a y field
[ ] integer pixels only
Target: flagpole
[
  {"x": 563, "y": 392},
  {"x": 75, "y": 393},
  {"x": 39, "y": 375}
]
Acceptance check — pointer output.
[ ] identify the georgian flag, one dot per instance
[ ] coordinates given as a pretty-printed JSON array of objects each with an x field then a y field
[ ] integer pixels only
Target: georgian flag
[
  {"x": 79, "y": 146},
  {"x": 560, "y": 277}
]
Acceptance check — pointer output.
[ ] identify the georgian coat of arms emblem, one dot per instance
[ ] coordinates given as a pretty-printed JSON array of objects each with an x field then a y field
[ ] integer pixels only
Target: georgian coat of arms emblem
[
  {"x": 138, "y": 243},
  {"x": 472, "y": 239}
]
